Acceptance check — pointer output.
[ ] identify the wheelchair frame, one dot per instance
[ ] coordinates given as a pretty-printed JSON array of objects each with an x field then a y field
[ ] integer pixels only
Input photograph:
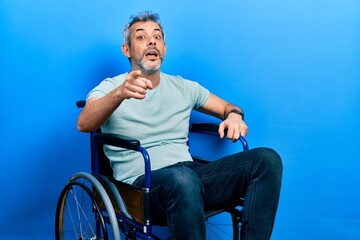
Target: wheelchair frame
[{"x": 126, "y": 208}]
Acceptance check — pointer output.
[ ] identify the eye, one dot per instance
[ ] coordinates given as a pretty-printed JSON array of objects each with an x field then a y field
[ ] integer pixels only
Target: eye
[
  {"x": 158, "y": 37},
  {"x": 140, "y": 37}
]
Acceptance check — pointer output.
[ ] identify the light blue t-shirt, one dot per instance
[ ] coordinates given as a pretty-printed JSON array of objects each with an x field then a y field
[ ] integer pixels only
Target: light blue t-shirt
[{"x": 160, "y": 122}]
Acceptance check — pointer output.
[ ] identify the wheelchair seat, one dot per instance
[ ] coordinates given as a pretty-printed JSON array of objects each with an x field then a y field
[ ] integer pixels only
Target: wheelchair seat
[{"x": 114, "y": 209}]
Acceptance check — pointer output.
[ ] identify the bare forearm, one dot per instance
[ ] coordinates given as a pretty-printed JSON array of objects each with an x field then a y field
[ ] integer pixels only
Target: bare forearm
[
  {"x": 218, "y": 107},
  {"x": 229, "y": 108},
  {"x": 97, "y": 111}
]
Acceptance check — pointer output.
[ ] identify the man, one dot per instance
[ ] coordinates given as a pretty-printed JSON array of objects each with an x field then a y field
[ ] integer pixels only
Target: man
[{"x": 155, "y": 108}]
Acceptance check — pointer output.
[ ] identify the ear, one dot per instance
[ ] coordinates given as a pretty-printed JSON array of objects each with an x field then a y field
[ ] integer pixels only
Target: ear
[
  {"x": 126, "y": 50},
  {"x": 164, "y": 49}
]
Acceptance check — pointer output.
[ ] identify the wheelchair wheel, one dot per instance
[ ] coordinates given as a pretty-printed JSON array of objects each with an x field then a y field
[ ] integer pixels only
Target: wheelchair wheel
[
  {"x": 220, "y": 227},
  {"x": 220, "y": 231},
  {"x": 80, "y": 216}
]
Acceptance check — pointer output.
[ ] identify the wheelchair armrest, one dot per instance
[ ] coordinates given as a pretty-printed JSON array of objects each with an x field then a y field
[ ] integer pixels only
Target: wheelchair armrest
[
  {"x": 207, "y": 128},
  {"x": 112, "y": 139},
  {"x": 212, "y": 129},
  {"x": 117, "y": 140},
  {"x": 128, "y": 143}
]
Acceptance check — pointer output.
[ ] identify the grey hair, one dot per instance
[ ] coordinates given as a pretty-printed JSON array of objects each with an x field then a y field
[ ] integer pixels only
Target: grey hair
[{"x": 141, "y": 17}]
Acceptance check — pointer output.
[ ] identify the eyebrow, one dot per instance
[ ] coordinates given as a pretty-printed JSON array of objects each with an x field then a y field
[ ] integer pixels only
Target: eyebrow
[{"x": 141, "y": 29}]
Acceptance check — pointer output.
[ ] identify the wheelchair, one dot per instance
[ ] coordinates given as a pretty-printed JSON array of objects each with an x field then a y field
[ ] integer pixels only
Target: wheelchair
[{"x": 95, "y": 206}]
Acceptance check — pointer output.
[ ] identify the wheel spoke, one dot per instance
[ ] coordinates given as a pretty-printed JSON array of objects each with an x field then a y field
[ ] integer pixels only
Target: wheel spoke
[{"x": 79, "y": 214}]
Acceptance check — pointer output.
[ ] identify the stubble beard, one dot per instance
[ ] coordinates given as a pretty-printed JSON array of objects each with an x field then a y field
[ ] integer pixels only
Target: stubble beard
[{"x": 144, "y": 66}]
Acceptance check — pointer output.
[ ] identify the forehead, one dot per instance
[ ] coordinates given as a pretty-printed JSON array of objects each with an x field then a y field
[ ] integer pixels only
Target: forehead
[{"x": 148, "y": 26}]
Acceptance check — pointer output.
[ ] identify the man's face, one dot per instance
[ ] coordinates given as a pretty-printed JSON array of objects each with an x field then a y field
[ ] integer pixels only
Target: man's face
[{"x": 147, "y": 48}]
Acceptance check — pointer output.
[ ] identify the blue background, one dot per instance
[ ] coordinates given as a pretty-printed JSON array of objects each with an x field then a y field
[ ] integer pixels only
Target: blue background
[{"x": 294, "y": 66}]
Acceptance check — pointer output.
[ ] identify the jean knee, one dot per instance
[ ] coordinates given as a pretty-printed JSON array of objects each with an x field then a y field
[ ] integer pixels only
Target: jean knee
[
  {"x": 272, "y": 161},
  {"x": 185, "y": 182}
]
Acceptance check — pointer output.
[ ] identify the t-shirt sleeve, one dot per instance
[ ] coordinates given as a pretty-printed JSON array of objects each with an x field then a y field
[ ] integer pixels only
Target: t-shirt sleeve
[
  {"x": 196, "y": 93},
  {"x": 101, "y": 90},
  {"x": 105, "y": 87}
]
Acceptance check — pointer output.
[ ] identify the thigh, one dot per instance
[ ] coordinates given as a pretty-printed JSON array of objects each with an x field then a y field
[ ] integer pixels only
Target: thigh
[
  {"x": 176, "y": 183},
  {"x": 170, "y": 177},
  {"x": 225, "y": 180}
]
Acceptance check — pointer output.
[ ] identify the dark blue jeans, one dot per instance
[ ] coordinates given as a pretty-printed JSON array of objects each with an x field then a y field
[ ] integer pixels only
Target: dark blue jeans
[{"x": 182, "y": 192}]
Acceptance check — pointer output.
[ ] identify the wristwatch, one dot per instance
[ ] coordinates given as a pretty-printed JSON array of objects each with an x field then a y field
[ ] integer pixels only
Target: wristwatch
[{"x": 237, "y": 112}]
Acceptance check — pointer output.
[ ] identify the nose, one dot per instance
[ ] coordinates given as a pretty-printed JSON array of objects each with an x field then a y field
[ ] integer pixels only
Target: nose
[{"x": 151, "y": 41}]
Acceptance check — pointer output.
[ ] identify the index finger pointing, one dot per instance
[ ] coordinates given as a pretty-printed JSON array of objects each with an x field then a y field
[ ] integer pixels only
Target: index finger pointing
[{"x": 135, "y": 74}]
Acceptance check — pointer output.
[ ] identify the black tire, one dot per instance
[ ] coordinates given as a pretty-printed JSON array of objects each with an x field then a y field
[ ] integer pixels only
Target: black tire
[{"x": 78, "y": 215}]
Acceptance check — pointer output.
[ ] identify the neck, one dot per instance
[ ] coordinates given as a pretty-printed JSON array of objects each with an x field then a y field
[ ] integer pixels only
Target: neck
[{"x": 154, "y": 77}]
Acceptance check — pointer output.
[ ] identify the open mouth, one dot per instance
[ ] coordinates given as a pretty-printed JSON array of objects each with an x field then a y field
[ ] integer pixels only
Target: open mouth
[{"x": 152, "y": 53}]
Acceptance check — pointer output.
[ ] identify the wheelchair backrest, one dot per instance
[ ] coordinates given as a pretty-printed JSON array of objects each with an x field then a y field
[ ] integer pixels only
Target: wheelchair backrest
[{"x": 100, "y": 163}]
